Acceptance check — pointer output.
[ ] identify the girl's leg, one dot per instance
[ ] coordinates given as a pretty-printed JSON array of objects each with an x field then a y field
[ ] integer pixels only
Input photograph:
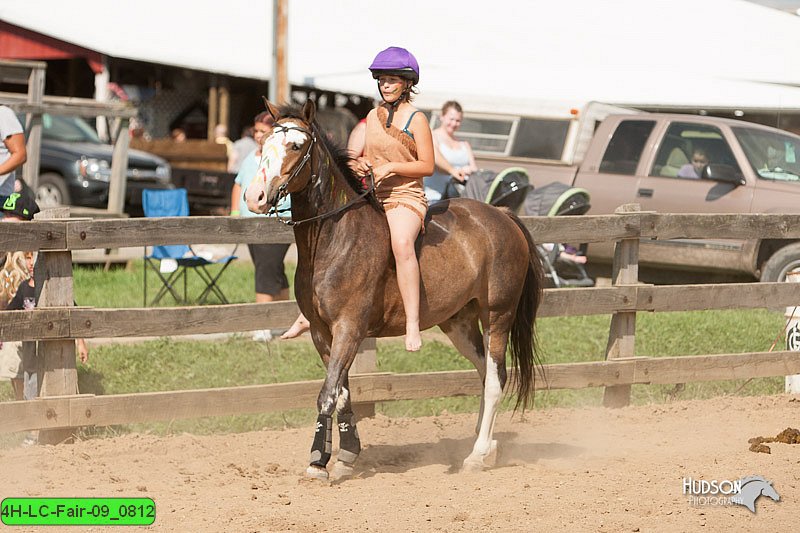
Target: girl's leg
[
  {"x": 300, "y": 326},
  {"x": 404, "y": 226}
]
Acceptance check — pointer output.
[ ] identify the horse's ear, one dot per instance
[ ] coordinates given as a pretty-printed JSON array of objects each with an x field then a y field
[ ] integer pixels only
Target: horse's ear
[
  {"x": 273, "y": 111},
  {"x": 309, "y": 110}
]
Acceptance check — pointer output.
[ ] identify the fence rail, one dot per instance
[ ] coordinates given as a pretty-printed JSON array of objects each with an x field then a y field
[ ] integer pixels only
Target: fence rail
[
  {"x": 82, "y": 234},
  {"x": 54, "y": 325}
]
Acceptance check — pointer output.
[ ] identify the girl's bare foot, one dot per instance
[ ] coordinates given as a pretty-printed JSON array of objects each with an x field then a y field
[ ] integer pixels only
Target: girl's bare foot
[
  {"x": 413, "y": 339},
  {"x": 300, "y": 326}
]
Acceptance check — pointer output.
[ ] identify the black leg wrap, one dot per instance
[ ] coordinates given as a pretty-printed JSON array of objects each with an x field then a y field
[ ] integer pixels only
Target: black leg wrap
[
  {"x": 349, "y": 443},
  {"x": 321, "y": 447}
]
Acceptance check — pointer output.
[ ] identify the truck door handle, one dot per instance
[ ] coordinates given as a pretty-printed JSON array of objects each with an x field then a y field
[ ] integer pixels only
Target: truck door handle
[{"x": 645, "y": 193}]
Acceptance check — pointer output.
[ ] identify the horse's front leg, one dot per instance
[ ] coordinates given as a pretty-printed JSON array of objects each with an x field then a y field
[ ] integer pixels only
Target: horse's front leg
[
  {"x": 349, "y": 442},
  {"x": 335, "y": 396}
]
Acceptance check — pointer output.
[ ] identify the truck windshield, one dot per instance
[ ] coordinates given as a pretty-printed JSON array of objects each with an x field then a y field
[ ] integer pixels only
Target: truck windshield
[
  {"x": 772, "y": 155},
  {"x": 68, "y": 129}
]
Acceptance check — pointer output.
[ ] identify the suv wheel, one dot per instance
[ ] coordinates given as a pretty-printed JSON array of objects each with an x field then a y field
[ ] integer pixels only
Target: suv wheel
[
  {"x": 783, "y": 261},
  {"x": 51, "y": 191}
]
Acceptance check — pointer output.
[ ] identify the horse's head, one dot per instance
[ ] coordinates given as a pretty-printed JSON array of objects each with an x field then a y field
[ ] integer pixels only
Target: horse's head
[
  {"x": 768, "y": 490},
  {"x": 285, "y": 159}
]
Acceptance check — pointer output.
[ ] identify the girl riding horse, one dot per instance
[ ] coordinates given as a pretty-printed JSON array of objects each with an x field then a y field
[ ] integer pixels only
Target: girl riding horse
[
  {"x": 399, "y": 152},
  {"x": 480, "y": 276}
]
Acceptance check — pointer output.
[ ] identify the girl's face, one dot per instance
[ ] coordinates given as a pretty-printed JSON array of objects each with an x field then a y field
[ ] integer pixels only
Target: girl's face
[
  {"x": 451, "y": 121},
  {"x": 391, "y": 87},
  {"x": 30, "y": 259}
]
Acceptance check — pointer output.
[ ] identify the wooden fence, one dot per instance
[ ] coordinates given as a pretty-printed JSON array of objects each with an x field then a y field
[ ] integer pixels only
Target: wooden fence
[{"x": 55, "y": 323}]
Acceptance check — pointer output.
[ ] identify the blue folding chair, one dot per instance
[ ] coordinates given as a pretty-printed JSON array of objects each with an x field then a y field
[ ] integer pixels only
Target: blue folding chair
[{"x": 175, "y": 203}]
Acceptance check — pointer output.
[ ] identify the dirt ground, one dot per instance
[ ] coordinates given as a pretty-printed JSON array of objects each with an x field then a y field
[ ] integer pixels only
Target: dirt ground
[{"x": 571, "y": 469}]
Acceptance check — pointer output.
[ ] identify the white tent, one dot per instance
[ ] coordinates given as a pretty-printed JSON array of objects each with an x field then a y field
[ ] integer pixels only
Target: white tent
[{"x": 492, "y": 56}]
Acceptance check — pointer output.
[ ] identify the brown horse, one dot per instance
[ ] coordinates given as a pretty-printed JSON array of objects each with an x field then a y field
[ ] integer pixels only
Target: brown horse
[{"x": 480, "y": 278}]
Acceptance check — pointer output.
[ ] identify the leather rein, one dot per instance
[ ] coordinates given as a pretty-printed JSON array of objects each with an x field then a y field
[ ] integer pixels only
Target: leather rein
[{"x": 306, "y": 158}]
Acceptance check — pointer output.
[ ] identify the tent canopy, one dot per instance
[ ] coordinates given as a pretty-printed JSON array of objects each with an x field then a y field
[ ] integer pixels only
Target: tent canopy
[{"x": 717, "y": 53}]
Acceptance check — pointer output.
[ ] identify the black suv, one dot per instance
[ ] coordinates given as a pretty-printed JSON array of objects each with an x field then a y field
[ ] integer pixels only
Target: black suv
[{"x": 75, "y": 167}]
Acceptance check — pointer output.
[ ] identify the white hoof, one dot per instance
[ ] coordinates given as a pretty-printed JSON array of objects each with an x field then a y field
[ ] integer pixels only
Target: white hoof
[
  {"x": 477, "y": 462},
  {"x": 315, "y": 472},
  {"x": 341, "y": 470},
  {"x": 472, "y": 464}
]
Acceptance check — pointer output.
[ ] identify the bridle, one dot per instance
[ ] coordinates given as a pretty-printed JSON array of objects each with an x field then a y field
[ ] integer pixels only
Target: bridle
[{"x": 282, "y": 190}]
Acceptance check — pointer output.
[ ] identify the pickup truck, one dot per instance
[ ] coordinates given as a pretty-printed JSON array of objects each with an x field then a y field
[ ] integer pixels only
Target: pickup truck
[{"x": 637, "y": 157}]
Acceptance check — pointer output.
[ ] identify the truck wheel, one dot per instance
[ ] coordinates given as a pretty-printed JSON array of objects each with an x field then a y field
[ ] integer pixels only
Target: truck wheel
[
  {"x": 784, "y": 260},
  {"x": 51, "y": 191}
]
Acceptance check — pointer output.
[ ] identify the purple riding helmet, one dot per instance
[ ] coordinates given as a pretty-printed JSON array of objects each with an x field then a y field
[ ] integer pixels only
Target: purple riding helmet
[{"x": 396, "y": 61}]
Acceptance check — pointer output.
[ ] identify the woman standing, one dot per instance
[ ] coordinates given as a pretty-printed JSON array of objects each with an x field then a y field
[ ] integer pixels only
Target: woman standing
[{"x": 453, "y": 157}]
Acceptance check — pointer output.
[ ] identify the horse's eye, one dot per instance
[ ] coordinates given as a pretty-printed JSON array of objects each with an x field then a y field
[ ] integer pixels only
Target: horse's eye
[{"x": 295, "y": 147}]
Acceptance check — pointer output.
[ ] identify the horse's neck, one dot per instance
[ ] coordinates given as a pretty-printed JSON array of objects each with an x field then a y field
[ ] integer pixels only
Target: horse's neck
[{"x": 326, "y": 193}]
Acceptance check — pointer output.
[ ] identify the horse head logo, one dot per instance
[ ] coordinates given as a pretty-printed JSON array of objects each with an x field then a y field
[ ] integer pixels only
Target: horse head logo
[{"x": 752, "y": 488}]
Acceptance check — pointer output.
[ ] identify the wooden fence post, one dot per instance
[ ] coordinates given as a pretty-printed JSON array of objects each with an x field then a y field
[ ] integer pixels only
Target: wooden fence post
[
  {"x": 57, "y": 374},
  {"x": 622, "y": 333},
  {"x": 30, "y": 171},
  {"x": 366, "y": 362},
  {"x": 117, "y": 186}
]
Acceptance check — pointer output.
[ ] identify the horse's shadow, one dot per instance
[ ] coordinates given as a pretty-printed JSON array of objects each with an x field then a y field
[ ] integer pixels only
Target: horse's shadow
[{"x": 389, "y": 458}]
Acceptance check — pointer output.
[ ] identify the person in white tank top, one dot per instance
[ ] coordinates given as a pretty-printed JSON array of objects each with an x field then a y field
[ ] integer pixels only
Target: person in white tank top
[{"x": 452, "y": 156}]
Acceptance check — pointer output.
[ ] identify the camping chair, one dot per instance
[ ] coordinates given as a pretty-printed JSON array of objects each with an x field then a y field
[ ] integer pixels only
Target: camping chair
[{"x": 175, "y": 203}]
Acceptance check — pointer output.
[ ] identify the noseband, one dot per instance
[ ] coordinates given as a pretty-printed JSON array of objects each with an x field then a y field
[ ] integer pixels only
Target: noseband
[{"x": 306, "y": 158}]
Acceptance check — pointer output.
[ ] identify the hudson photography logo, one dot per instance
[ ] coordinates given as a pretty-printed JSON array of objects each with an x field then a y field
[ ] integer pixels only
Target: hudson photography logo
[{"x": 744, "y": 491}]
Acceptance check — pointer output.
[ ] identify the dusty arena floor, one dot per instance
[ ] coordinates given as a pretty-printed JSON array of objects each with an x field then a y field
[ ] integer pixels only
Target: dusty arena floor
[{"x": 573, "y": 470}]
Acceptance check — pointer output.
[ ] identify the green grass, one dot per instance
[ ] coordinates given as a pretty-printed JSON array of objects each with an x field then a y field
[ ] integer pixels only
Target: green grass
[
  {"x": 124, "y": 287},
  {"x": 167, "y": 364}
]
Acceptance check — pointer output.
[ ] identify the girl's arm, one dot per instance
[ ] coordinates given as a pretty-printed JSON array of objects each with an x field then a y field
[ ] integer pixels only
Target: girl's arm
[
  {"x": 236, "y": 196},
  {"x": 357, "y": 140}
]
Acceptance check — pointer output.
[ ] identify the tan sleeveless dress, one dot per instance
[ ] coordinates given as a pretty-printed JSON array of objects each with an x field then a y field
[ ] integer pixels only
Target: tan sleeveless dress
[{"x": 393, "y": 145}]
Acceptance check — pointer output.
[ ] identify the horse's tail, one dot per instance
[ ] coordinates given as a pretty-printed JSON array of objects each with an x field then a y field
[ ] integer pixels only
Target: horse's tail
[{"x": 523, "y": 341}]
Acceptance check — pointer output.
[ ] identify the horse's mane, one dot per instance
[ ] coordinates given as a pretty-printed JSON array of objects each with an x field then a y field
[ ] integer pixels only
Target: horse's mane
[{"x": 341, "y": 157}]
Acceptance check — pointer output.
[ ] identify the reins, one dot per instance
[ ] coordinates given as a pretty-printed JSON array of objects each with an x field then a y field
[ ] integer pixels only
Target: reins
[{"x": 306, "y": 158}]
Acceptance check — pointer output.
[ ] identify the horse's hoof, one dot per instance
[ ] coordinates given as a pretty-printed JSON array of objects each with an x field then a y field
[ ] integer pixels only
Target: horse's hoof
[
  {"x": 315, "y": 472},
  {"x": 472, "y": 465},
  {"x": 342, "y": 470},
  {"x": 478, "y": 462}
]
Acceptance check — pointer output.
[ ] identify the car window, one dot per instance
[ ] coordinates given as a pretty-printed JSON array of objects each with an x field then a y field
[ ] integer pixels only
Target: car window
[
  {"x": 68, "y": 129},
  {"x": 625, "y": 148},
  {"x": 540, "y": 138},
  {"x": 773, "y": 156},
  {"x": 687, "y": 147},
  {"x": 537, "y": 138},
  {"x": 484, "y": 135}
]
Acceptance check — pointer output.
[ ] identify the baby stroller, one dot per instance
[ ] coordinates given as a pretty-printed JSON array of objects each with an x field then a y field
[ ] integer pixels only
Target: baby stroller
[
  {"x": 561, "y": 262},
  {"x": 508, "y": 188},
  {"x": 511, "y": 188}
]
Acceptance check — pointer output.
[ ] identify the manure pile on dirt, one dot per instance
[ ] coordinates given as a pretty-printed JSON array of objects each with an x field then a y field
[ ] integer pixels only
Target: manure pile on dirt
[{"x": 787, "y": 436}]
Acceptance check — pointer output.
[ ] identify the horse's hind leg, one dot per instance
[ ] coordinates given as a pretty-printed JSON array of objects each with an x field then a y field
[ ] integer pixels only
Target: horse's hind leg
[{"x": 493, "y": 385}]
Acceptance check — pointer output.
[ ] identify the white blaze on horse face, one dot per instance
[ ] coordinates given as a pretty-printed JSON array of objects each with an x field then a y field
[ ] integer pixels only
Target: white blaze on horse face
[{"x": 273, "y": 152}]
